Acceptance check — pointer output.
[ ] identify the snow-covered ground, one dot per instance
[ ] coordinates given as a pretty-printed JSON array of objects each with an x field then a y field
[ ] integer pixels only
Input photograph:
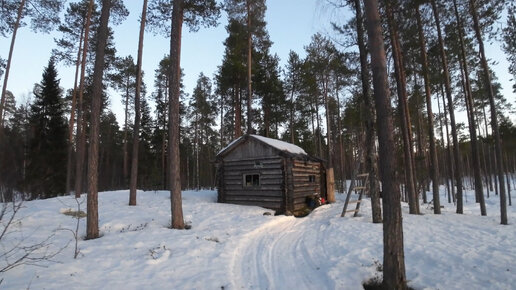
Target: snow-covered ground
[{"x": 238, "y": 247}]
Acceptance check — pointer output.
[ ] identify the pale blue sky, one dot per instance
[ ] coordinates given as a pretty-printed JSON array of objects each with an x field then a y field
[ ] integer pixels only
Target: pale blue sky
[{"x": 290, "y": 23}]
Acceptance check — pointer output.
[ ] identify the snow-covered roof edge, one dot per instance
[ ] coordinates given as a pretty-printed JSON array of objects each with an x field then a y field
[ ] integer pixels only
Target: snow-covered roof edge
[
  {"x": 278, "y": 144},
  {"x": 281, "y": 145}
]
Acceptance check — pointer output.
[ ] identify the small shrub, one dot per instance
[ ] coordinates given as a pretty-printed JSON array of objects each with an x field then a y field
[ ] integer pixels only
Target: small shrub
[{"x": 74, "y": 213}]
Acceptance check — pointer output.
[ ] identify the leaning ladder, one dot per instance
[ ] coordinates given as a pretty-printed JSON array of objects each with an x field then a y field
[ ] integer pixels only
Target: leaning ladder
[{"x": 359, "y": 184}]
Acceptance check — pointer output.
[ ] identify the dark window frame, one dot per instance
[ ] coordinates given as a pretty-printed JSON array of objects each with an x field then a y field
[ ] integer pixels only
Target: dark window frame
[{"x": 254, "y": 180}]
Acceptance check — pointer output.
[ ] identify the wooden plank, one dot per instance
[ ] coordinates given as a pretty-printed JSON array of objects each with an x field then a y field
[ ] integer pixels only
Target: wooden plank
[
  {"x": 277, "y": 172},
  {"x": 274, "y": 157},
  {"x": 259, "y": 188},
  {"x": 254, "y": 198},
  {"x": 270, "y": 205},
  {"x": 245, "y": 192},
  {"x": 238, "y": 167},
  {"x": 263, "y": 181}
]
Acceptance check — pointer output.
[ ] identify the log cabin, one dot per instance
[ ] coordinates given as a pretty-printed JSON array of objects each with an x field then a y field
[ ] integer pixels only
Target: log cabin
[{"x": 260, "y": 171}]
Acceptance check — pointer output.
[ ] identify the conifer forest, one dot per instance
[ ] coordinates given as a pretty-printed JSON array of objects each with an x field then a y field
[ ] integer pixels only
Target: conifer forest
[{"x": 402, "y": 90}]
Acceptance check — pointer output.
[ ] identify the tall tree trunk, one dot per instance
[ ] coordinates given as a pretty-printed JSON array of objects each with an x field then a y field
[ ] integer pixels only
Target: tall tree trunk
[
  {"x": 508, "y": 178},
  {"x": 434, "y": 165},
  {"x": 292, "y": 138},
  {"x": 479, "y": 194},
  {"x": 238, "y": 112},
  {"x": 81, "y": 123},
  {"x": 249, "y": 71},
  {"x": 92, "y": 223},
  {"x": 137, "y": 113},
  {"x": 126, "y": 130},
  {"x": 405, "y": 116},
  {"x": 393, "y": 254},
  {"x": 449, "y": 155},
  {"x": 176, "y": 202},
  {"x": 456, "y": 153},
  {"x": 19, "y": 16},
  {"x": 71, "y": 123},
  {"x": 341, "y": 143},
  {"x": 330, "y": 177},
  {"x": 446, "y": 163},
  {"x": 369, "y": 118},
  {"x": 494, "y": 121}
]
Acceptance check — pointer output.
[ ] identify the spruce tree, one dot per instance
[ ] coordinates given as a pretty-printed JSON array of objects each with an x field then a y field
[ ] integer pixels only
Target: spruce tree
[{"x": 46, "y": 171}]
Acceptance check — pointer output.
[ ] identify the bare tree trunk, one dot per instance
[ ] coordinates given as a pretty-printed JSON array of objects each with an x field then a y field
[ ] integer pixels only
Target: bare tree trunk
[
  {"x": 92, "y": 223},
  {"x": 81, "y": 124},
  {"x": 508, "y": 178},
  {"x": 330, "y": 182},
  {"x": 176, "y": 203},
  {"x": 456, "y": 153},
  {"x": 292, "y": 138},
  {"x": 238, "y": 113},
  {"x": 393, "y": 254},
  {"x": 124, "y": 141},
  {"x": 479, "y": 194},
  {"x": 434, "y": 165},
  {"x": 137, "y": 113},
  {"x": 71, "y": 123},
  {"x": 8, "y": 66},
  {"x": 494, "y": 121},
  {"x": 405, "y": 118},
  {"x": 369, "y": 118},
  {"x": 249, "y": 73},
  {"x": 444, "y": 156}
]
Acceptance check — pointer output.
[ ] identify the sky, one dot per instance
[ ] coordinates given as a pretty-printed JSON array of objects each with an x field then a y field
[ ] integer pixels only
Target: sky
[{"x": 290, "y": 24}]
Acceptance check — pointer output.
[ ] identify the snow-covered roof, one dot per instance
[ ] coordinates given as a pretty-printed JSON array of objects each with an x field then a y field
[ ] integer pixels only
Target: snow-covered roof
[
  {"x": 278, "y": 144},
  {"x": 281, "y": 145}
]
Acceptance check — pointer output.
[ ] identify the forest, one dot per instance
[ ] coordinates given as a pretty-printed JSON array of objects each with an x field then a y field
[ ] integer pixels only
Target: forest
[{"x": 377, "y": 95}]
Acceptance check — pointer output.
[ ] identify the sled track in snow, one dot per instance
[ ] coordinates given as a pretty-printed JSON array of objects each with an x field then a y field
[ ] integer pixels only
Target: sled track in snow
[{"x": 281, "y": 254}]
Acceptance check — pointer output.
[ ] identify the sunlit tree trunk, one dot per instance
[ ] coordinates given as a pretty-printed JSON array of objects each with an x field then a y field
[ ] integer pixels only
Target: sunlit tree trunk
[
  {"x": 92, "y": 223},
  {"x": 71, "y": 123},
  {"x": 405, "y": 116},
  {"x": 479, "y": 193},
  {"x": 494, "y": 120},
  {"x": 81, "y": 127},
  {"x": 369, "y": 118},
  {"x": 176, "y": 203},
  {"x": 249, "y": 71},
  {"x": 456, "y": 153},
  {"x": 19, "y": 16},
  {"x": 137, "y": 113},
  {"x": 393, "y": 254},
  {"x": 434, "y": 168}
]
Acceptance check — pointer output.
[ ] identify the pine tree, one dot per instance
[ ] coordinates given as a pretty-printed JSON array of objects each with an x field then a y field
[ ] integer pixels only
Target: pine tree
[
  {"x": 194, "y": 13},
  {"x": 44, "y": 17},
  {"x": 92, "y": 222},
  {"x": 509, "y": 37},
  {"x": 46, "y": 168},
  {"x": 393, "y": 254}
]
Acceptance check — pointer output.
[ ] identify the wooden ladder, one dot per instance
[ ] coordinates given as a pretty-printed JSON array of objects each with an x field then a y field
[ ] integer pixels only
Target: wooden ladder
[{"x": 358, "y": 184}]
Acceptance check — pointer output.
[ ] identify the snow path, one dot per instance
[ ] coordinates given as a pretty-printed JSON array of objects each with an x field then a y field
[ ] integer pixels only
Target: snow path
[{"x": 284, "y": 253}]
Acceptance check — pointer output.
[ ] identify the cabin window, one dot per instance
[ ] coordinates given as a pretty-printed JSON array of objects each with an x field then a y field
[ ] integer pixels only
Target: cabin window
[
  {"x": 311, "y": 178},
  {"x": 251, "y": 180}
]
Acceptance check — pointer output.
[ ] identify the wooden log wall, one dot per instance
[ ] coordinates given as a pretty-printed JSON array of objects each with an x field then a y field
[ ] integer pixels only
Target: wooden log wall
[
  {"x": 302, "y": 185},
  {"x": 270, "y": 192}
]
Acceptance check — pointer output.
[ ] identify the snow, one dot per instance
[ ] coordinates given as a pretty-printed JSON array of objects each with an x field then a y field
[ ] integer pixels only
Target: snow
[
  {"x": 238, "y": 247},
  {"x": 278, "y": 144}
]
